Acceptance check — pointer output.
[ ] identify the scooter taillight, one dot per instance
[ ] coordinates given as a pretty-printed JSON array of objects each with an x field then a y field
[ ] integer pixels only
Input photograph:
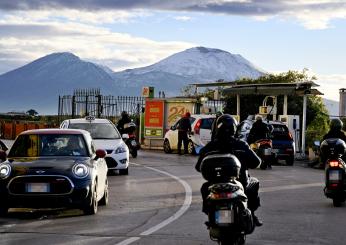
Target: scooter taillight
[
  {"x": 221, "y": 195},
  {"x": 335, "y": 164}
]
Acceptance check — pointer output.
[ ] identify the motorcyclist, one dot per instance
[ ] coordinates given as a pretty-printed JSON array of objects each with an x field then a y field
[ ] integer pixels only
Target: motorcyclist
[
  {"x": 225, "y": 142},
  {"x": 335, "y": 131},
  {"x": 213, "y": 126},
  {"x": 125, "y": 118},
  {"x": 259, "y": 130}
]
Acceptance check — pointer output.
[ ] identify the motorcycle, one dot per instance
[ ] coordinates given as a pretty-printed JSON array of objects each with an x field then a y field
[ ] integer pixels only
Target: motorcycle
[
  {"x": 129, "y": 137},
  {"x": 264, "y": 150},
  {"x": 229, "y": 219},
  {"x": 335, "y": 170}
]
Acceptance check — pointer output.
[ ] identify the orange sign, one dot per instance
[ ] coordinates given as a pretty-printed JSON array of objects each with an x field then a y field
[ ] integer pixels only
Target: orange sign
[{"x": 154, "y": 110}]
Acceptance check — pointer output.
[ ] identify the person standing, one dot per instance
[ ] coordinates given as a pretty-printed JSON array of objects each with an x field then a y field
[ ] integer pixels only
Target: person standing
[{"x": 184, "y": 128}]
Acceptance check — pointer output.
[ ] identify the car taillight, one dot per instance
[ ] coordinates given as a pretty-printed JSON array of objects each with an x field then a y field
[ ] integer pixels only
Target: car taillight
[
  {"x": 290, "y": 136},
  {"x": 197, "y": 126},
  {"x": 334, "y": 164}
]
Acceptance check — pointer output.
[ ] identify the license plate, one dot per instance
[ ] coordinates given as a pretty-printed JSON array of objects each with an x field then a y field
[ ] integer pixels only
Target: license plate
[
  {"x": 267, "y": 152},
  {"x": 133, "y": 143},
  {"x": 334, "y": 175},
  {"x": 224, "y": 216},
  {"x": 37, "y": 187}
]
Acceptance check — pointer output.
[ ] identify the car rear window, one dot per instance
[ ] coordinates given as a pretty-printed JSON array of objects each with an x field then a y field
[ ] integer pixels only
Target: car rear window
[
  {"x": 207, "y": 123},
  {"x": 98, "y": 130},
  {"x": 280, "y": 132}
]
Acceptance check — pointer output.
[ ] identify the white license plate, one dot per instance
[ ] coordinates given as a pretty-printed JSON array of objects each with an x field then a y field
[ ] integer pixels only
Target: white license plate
[
  {"x": 334, "y": 175},
  {"x": 267, "y": 152},
  {"x": 133, "y": 143},
  {"x": 224, "y": 216},
  {"x": 37, "y": 187}
]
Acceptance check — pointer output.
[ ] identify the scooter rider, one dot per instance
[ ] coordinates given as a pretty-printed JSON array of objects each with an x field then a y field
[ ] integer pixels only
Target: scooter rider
[
  {"x": 335, "y": 131},
  {"x": 123, "y": 120},
  {"x": 225, "y": 142},
  {"x": 259, "y": 130}
]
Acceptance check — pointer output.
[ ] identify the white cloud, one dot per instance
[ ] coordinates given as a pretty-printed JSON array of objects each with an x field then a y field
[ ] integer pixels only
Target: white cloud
[
  {"x": 33, "y": 39},
  {"x": 183, "y": 18},
  {"x": 330, "y": 85}
]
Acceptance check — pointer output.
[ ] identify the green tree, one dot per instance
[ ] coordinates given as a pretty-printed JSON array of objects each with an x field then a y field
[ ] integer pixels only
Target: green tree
[{"x": 32, "y": 112}]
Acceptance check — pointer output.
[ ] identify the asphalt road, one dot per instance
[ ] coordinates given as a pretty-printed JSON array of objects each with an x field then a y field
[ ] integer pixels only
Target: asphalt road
[{"x": 159, "y": 203}]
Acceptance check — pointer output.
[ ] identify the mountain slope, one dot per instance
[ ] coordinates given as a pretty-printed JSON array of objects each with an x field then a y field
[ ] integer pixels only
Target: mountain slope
[
  {"x": 190, "y": 66},
  {"x": 38, "y": 84}
]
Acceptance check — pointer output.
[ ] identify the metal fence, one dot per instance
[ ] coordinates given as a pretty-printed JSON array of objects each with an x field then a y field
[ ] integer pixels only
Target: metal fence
[{"x": 90, "y": 102}]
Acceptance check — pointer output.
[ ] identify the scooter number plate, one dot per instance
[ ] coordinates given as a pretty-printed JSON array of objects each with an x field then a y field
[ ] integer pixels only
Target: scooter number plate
[
  {"x": 133, "y": 143},
  {"x": 334, "y": 175},
  {"x": 224, "y": 217}
]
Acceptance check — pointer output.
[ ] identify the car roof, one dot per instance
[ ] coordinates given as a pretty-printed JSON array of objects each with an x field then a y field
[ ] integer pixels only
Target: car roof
[
  {"x": 55, "y": 131},
  {"x": 203, "y": 115},
  {"x": 85, "y": 120}
]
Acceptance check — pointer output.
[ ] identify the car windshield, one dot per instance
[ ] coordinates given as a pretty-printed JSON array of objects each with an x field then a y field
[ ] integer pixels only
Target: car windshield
[
  {"x": 37, "y": 145},
  {"x": 98, "y": 130}
]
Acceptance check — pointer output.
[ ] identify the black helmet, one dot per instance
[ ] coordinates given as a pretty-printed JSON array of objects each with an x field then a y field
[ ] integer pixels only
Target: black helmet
[
  {"x": 336, "y": 124},
  {"x": 124, "y": 114},
  {"x": 226, "y": 126}
]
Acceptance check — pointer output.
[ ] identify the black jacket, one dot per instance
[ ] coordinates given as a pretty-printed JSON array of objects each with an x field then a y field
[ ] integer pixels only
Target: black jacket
[
  {"x": 121, "y": 123},
  {"x": 335, "y": 134},
  {"x": 259, "y": 130},
  {"x": 184, "y": 124},
  {"x": 240, "y": 149}
]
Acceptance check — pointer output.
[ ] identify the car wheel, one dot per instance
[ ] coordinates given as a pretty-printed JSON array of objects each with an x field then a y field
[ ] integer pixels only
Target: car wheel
[
  {"x": 124, "y": 171},
  {"x": 167, "y": 146},
  {"x": 91, "y": 207},
  {"x": 191, "y": 148},
  {"x": 104, "y": 199},
  {"x": 290, "y": 161},
  {"x": 3, "y": 211}
]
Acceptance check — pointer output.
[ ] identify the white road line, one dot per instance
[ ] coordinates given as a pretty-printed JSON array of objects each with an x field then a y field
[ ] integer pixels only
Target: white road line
[
  {"x": 290, "y": 187},
  {"x": 180, "y": 212}
]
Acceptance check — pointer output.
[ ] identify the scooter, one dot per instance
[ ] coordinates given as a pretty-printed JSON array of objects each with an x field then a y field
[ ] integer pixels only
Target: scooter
[
  {"x": 264, "y": 150},
  {"x": 335, "y": 170},
  {"x": 129, "y": 137},
  {"x": 229, "y": 219}
]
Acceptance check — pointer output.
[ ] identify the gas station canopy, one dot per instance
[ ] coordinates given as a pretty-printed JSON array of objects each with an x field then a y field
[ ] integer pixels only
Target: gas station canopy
[{"x": 231, "y": 88}]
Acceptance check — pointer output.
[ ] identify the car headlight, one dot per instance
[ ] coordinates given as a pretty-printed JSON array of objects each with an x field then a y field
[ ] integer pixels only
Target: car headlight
[
  {"x": 80, "y": 171},
  {"x": 121, "y": 149},
  {"x": 5, "y": 171}
]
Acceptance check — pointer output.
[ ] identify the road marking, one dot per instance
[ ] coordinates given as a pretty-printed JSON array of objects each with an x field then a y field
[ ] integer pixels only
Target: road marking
[
  {"x": 180, "y": 212},
  {"x": 290, "y": 187}
]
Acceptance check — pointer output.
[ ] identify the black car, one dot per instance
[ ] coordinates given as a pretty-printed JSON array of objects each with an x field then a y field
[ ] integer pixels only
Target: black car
[
  {"x": 50, "y": 168},
  {"x": 282, "y": 140}
]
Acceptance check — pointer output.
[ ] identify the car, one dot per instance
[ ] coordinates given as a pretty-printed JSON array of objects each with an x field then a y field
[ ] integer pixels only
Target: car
[
  {"x": 282, "y": 140},
  {"x": 54, "y": 168},
  {"x": 106, "y": 136},
  {"x": 199, "y": 137}
]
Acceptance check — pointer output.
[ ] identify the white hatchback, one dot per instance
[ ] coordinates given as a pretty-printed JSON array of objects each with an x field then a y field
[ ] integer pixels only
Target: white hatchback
[
  {"x": 199, "y": 137},
  {"x": 107, "y": 137}
]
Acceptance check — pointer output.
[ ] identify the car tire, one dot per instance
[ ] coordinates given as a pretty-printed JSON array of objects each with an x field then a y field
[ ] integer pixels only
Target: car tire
[
  {"x": 104, "y": 199},
  {"x": 167, "y": 147},
  {"x": 191, "y": 148},
  {"x": 3, "y": 211},
  {"x": 124, "y": 171},
  {"x": 92, "y": 205},
  {"x": 290, "y": 161}
]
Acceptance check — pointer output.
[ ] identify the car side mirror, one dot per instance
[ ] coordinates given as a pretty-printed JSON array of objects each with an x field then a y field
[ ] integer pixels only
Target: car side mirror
[
  {"x": 3, "y": 156},
  {"x": 100, "y": 153},
  {"x": 125, "y": 136}
]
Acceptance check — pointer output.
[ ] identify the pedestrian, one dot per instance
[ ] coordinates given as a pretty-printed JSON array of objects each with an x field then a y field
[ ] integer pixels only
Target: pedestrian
[{"x": 184, "y": 128}]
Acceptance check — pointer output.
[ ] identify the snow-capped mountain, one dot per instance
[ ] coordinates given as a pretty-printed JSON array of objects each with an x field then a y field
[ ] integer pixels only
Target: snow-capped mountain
[
  {"x": 38, "y": 84},
  {"x": 193, "y": 65}
]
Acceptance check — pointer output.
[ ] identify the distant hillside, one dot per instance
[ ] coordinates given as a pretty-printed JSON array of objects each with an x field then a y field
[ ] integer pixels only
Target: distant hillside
[
  {"x": 332, "y": 107},
  {"x": 38, "y": 84}
]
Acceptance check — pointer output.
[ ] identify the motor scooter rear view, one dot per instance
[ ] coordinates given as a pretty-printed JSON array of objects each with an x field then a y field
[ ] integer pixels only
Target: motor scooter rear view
[{"x": 333, "y": 151}]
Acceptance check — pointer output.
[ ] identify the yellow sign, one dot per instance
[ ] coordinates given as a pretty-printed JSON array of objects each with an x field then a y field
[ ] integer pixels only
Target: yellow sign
[
  {"x": 176, "y": 110},
  {"x": 156, "y": 132}
]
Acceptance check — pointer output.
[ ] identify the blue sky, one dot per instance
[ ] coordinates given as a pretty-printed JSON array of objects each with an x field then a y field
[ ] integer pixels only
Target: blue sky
[{"x": 276, "y": 36}]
